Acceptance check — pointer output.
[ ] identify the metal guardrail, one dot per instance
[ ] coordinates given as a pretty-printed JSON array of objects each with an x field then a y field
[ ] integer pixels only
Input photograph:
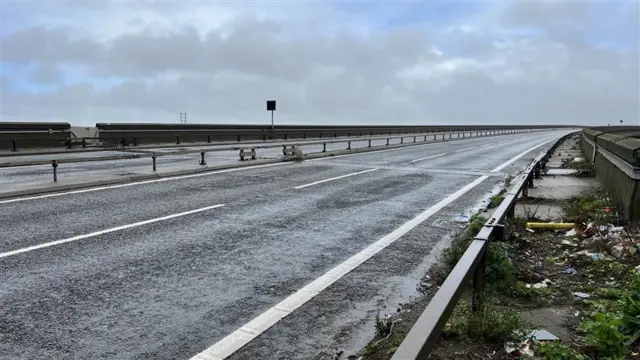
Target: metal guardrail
[
  {"x": 245, "y": 153},
  {"x": 15, "y": 139},
  {"x": 425, "y": 333}
]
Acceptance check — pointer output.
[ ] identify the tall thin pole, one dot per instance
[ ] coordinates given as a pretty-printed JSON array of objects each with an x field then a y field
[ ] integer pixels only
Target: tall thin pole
[{"x": 272, "y": 127}]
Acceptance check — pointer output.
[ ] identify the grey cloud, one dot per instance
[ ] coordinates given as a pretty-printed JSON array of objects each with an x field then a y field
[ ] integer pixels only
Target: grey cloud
[{"x": 338, "y": 78}]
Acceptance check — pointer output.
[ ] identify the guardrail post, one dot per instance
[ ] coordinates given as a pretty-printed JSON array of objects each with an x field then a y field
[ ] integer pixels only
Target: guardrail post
[
  {"x": 462, "y": 134},
  {"x": 335, "y": 135},
  {"x": 425, "y": 138},
  {"x": 387, "y": 141},
  {"x": 15, "y": 146},
  {"x": 479, "y": 282},
  {"x": 54, "y": 164},
  {"x": 442, "y": 136},
  {"x": 304, "y": 136},
  {"x": 153, "y": 157},
  {"x": 285, "y": 136},
  {"x": 202, "y": 162},
  {"x": 264, "y": 137},
  {"x": 369, "y": 142},
  {"x": 324, "y": 147},
  {"x": 284, "y": 150},
  {"x": 238, "y": 137},
  {"x": 402, "y": 140},
  {"x": 414, "y": 139},
  {"x": 253, "y": 153},
  {"x": 84, "y": 142},
  {"x": 434, "y": 138},
  {"x": 530, "y": 181},
  {"x": 537, "y": 170},
  {"x": 525, "y": 191},
  {"x": 349, "y": 145},
  {"x": 449, "y": 135},
  {"x": 178, "y": 140},
  {"x": 348, "y": 133}
]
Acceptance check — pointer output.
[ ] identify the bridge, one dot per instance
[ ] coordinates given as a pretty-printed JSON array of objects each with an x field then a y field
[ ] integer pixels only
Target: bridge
[{"x": 192, "y": 243}]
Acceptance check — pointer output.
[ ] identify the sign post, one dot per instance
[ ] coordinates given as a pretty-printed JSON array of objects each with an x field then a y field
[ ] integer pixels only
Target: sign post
[{"x": 271, "y": 106}]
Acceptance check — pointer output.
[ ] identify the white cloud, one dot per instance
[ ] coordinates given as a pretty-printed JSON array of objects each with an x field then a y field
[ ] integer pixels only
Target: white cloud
[{"x": 148, "y": 61}]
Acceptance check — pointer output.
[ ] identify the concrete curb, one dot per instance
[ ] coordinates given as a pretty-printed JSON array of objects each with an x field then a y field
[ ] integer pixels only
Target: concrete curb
[{"x": 249, "y": 163}]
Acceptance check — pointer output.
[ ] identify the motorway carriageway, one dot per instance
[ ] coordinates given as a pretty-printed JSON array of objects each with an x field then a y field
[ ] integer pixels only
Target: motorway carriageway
[{"x": 283, "y": 261}]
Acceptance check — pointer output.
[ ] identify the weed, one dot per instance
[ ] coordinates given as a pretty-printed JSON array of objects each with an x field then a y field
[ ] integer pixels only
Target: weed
[
  {"x": 603, "y": 335},
  {"x": 386, "y": 336},
  {"x": 557, "y": 351},
  {"x": 460, "y": 243},
  {"x": 383, "y": 326},
  {"x": 488, "y": 323},
  {"x": 298, "y": 154},
  {"x": 500, "y": 272},
  {"x": 589, "y": 207},
  {"x": 584, "y": 168},
  {"x": 539, "y": 295},
  {"x": 631, "y": 309},
  {"x": 496, "y": 200},
  {"x": 507, "y": 180}
]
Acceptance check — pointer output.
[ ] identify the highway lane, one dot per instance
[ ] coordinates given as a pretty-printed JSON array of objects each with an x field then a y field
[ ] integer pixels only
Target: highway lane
[{"x": 171, "y": 288}]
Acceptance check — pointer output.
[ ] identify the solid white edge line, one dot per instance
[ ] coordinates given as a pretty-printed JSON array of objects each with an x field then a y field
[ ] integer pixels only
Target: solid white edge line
[
  {"x": 335, "y": 178},
  {"x": 246, "y": 333},
  {"x": 106, "y": 231},
  {"x": 179, "y": 177},
  {"x": 465, "y": 149},
  {"x": 428, "y": 157}
]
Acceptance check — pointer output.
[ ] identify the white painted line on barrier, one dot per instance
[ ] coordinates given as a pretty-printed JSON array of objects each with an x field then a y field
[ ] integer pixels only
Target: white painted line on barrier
[
  {"x": 240, "y": 337},
  {"x": 179, "y": 177},
  {"x": 428, "y": 157},
  {"x": 335, "y": 178},
  {"x": 465, "y": 149},
  {"x": 106, "y": 231}
]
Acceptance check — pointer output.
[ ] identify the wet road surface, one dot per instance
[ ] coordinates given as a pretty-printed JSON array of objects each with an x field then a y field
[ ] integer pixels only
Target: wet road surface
[{"x": 165, "y": 270}]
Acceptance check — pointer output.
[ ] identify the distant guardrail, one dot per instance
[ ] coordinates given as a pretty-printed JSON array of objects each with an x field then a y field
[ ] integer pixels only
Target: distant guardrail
[
  {"x": 615, "y": 153},
  {"x": 34, "y": 134},
  {"x": 19, "y": 136},
  {"x": 184, "y": 133},
  {"x": 425, "y": 333}
]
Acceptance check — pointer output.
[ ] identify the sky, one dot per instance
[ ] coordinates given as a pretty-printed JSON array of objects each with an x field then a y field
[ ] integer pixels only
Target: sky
[{"x": 324, "y": 62}]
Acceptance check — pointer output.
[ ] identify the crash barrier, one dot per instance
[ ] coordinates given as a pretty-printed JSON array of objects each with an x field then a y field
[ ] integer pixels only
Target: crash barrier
[
  {"x": 190, "y": 133},
  {"x": 244, "y": 153},
  {"x": 18, "y": 135},
  {"x": 289, "y": 150},
  {"x": 472, "y": 266},
  {"x": 615, "y": 153}
]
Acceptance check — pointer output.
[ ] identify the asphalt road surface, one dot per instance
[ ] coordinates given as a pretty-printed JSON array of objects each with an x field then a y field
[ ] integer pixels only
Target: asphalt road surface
[{"x": 179, "y": 268}]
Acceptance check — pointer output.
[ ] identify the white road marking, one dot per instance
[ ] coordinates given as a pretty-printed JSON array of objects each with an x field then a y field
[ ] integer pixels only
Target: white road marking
[
  {"x": 465, "y": 149},
  {"x": 179, "y": 177},
  {"x": 106, "y": 231},
  {"x": 428, "y": 157},
  {"x": 246, "y": 333},
  {"x": 336, "y": 178}
]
